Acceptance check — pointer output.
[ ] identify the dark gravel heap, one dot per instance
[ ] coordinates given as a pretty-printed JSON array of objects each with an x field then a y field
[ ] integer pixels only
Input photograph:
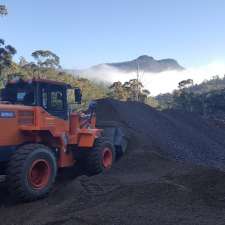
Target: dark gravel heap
[{"x": 176, "y": 135}]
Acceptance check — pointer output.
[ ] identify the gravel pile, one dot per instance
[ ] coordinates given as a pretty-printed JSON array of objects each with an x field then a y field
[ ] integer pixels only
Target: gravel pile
[{"x": 176, "y": 135}]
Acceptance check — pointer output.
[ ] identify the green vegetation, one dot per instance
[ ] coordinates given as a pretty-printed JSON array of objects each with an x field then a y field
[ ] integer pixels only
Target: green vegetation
[
  {"x": 207, "y": 98},
  {"x": 6, "y": 55},
  {"x": 131, "y": 90},
  {"x": 46, "y": 59},
  {"x": 46, "y": 65}
]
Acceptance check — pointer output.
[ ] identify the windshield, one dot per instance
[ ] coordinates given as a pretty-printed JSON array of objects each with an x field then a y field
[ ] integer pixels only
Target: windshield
[{"x": 19, "y": 93}]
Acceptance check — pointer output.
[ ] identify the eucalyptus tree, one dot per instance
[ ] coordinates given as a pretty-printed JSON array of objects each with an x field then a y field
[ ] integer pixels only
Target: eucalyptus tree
[
  {"x": 6, "y": 54},
  {"x": 46, "y": 59},
  {"x": 3, "y": 10}
]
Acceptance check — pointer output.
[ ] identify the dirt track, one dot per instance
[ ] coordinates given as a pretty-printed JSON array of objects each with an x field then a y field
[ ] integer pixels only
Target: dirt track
[{"x": 147, "y": 186}]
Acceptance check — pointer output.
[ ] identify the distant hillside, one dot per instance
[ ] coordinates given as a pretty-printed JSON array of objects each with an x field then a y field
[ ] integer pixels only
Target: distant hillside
[
  {"x": 146, "y": 64},
  {"x": 207, "y": 98}
]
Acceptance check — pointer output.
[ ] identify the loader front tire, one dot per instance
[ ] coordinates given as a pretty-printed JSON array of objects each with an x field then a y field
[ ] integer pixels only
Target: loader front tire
[
  {"x": 31, "y": 172},
  {"x": 101, "y": 157}
]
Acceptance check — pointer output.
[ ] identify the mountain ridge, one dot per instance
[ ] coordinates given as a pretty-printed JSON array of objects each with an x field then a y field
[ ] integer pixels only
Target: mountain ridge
[{"x": 145, "y": 63}]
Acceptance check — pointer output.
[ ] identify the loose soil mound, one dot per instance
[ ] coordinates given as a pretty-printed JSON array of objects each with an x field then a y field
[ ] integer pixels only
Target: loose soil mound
[
  {"x": 176, "y": 135},
  {"x": 169, "y": 175}
]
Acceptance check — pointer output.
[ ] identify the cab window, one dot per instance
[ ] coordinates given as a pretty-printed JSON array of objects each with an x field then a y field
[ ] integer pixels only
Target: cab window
[{"x": 56, "y": 100}]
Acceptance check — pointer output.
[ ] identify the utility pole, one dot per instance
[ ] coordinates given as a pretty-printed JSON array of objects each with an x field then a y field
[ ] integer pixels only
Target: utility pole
[{"x": 137, "y": 85}]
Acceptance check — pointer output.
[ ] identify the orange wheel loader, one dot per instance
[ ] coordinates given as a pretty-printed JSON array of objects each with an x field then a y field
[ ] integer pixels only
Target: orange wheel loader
[{"x": 39, "y": 135}]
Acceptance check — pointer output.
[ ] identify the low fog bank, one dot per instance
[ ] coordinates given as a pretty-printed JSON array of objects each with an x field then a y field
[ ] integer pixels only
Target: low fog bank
[{"x": 156, "y": 83}]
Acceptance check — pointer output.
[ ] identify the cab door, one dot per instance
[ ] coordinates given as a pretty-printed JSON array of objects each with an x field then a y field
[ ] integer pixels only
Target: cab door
[{"x": 54, "y": 100}]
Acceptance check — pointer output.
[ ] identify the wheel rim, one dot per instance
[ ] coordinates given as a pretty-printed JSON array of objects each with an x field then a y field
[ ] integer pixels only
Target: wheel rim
[
  {"x": 39, "y": 174},
  {"x": 107, "y": 157}
]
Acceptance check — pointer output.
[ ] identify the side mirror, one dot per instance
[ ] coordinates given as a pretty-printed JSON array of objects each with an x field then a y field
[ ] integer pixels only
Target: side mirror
[{"x": 78, "y": 95}]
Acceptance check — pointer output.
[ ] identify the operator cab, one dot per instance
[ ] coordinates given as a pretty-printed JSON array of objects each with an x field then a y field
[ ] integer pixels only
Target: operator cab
[{"x": 50, "y": 95}]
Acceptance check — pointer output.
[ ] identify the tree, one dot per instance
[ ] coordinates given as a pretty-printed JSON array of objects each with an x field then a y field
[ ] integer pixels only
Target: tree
[
  {"x": 133, "y": 88},
  {"x": 185, "y": 83},
  {"x": 129, "y": 90},
  {"x": 6, "y": 55},
  {"x": 118, "y": 91},
  {"x": 32, "y": 67},
  {"x": 46, "y": 59},
  {"x": 3, "y": 10},
  {"x": 22, "y": 61}
]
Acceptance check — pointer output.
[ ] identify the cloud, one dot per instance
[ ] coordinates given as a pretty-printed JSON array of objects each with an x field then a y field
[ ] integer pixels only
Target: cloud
[{"x": 157, "y": 83}]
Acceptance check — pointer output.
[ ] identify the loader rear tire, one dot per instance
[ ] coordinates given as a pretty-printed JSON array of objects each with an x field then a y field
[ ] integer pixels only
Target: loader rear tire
[
  {"x": 101, "y": 157},
  {"x": 31, "y": 172}
]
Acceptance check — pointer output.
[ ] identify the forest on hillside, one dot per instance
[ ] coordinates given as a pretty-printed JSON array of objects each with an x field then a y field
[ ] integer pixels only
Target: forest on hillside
[{"x": 207, "y": 98}]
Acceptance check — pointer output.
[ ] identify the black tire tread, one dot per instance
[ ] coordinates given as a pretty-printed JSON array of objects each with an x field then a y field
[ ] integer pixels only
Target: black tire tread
[
  {"x": 93, "y": 161},
  {"x": 14, "y": 173}
]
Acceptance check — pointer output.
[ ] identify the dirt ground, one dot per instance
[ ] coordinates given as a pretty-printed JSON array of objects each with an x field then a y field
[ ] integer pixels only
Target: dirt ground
[{"x": 171, "y": 174}]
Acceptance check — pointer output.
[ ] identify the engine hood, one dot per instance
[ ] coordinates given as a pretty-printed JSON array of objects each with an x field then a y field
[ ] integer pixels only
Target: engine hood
[
  {"x": 11, "y": 118},
  {"x": 6, "y": 107}
]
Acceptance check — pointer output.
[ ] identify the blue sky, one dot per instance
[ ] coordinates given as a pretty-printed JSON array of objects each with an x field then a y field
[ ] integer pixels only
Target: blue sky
[{"x": 88, "y": 32}]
